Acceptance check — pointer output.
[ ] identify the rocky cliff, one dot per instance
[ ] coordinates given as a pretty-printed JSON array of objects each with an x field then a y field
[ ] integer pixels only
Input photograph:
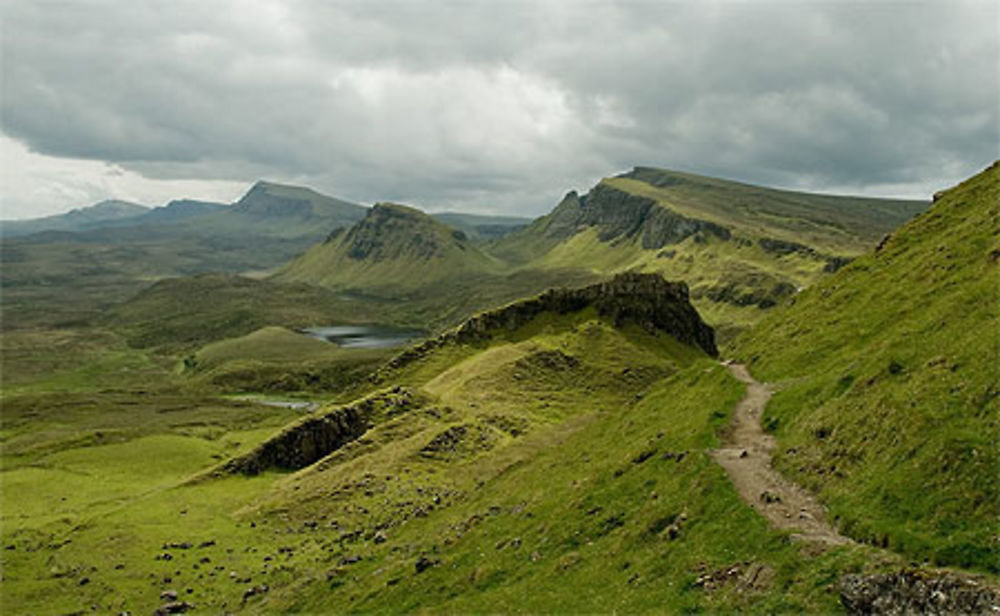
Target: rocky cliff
[
  {"x": 616, "y": 214},
  {"x": 391, "y": 231},
  {"x": 317, "y": 436},
  {"x": 647, "y": 300}
]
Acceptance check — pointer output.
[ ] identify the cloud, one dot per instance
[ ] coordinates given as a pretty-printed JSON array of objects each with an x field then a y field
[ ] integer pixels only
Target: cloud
[
  {"x": 35, "y": 185},
  {"x": 486, "y": 108}
]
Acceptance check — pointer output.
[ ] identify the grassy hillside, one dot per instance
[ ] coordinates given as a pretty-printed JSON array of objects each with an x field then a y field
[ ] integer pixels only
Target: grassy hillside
[
  {"x": 395, "y": 249},
  {"x": 181, "y": 313},
  {"x": 837, "y": 224},
  {"x": 276, "y": 359},
  {"x": 889, "y": 400},
  {"x": 105, "y": 212},
  {"x": 741, "y": 248},
  {"x": 279, "y": 210},
  {"x": 479, "y": 227},
  {"x": 556, "y": 463}
]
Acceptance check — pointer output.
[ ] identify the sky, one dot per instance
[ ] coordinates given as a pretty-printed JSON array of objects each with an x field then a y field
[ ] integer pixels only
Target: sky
[{"x": 490, "y": 107}]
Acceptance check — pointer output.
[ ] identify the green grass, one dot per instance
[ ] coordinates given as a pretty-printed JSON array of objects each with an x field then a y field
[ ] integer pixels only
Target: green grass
[
  {"x": 276, "y": 359},
  {"x": 180, "y": 314},
  {"x": 840, "y": 224},
  {"x": 571, "y": 516},
  {"x": 889, "y": 402},
  {"x": 394, "y": 250},
  {"x": 541, "y": 471}
]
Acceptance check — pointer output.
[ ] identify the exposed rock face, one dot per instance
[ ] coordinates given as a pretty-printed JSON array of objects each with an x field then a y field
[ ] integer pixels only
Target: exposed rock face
[
  {"x": 315, "y": 437},
  {"x": 782, "y": 248},
  {"x": 916, "y": 592},
  {"x": 644, "y": 299},
  {"x": 616, "y": 213},
  {"x": 390, "y": 230}
]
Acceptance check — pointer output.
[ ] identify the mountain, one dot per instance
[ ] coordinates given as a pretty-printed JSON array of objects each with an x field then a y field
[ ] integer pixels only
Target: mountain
[
  {"x": 890, "y": 400},
  {"x": 479, "y": 227},
  {"x": 76, "y": 220},
  {"x": 269, "y": 209},
  {"x": 741, "y": 248},
  {"x": 282, "y": 210},
  {"x": 393, "y": 250},
  {"x": 551, "y": 455},
  {"x": 106, "y": 260},
  {"x": 180, "y": 209}
]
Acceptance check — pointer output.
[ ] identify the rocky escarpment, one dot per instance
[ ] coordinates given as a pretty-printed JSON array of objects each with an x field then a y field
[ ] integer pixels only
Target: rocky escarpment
[
  {"x": 616, "y": 214},
  {"x": 391, "y": 231},
  {"x": 782, "y": 248},
  {"x": 917, "y": 592},
  {"x": 647, "y": 300},
  {"x": 317, "y": 436}
]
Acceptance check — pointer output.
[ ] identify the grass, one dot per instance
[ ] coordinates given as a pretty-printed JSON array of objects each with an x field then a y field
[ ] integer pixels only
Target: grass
[
  {"x": 394, "y": 250},
  {"x": 276, "y": 359},
  {"x": 838, "y": 224},
  {"x": 543, "y": 472},
  {"x": 562, "y": 518},
  {"x": 559, "y": 467},
  {"x": 181, "y": 314},
  {"x": 889, "y": 401}
]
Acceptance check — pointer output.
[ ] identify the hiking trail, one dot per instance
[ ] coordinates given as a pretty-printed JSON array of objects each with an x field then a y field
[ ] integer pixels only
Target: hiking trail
[{"x": 746, "y": 457}]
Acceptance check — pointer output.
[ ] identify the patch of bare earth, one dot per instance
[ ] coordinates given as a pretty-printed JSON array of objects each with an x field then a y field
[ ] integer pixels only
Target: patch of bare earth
[{"x": 746, "y": 457}]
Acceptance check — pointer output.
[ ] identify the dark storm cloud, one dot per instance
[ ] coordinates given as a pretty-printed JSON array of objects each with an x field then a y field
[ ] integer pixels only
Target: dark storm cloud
[{"x": 504, "y": 107}]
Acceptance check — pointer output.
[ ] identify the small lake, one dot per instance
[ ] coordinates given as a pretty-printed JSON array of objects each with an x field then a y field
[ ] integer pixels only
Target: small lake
[{"x": 364, "y": 336}]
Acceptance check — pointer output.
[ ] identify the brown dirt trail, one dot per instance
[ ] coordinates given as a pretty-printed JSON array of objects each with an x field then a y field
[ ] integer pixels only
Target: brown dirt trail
[{"x": 746, "y": 457}]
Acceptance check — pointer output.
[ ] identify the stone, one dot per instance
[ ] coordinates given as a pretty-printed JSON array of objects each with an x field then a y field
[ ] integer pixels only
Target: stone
[
  {"x": 174, "y": 607},
  {"x": 915, "y": 591},
  {"x": 423, "y": 564}
]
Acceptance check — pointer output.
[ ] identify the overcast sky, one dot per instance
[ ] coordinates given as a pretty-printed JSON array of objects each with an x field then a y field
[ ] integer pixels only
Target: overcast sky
[{"x": 487, "y": 106}]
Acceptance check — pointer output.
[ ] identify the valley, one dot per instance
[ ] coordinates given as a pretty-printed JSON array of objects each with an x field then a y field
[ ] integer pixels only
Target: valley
[{"x": 300, "y": 404}]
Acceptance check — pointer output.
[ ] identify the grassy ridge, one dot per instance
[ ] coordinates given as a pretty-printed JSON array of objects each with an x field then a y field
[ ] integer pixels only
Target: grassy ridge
[
  {"x": 181, "y": 313},
  {"x": 393, "y": 251},
  {"x": 590, "y": 498},
  {"x": 889, "y": 404},
  {"x": 276, "y": 359},
  {"x": 840, "y": 224}
]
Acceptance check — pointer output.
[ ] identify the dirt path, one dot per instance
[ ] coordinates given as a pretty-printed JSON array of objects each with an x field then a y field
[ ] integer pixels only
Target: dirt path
[{"x": 746, "y": 456}]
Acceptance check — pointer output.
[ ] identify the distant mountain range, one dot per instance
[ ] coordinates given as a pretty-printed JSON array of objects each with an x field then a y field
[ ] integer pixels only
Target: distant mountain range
[
  {"x": 739, "y": 247},
  {"x": 90, "y": 217},
  {"x": 268, "y": 209}
]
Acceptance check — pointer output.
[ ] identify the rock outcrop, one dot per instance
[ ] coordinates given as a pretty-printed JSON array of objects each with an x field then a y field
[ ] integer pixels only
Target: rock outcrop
[
  {"x": 917, "y": 592},
  {"x": 647, "y": 300},
  {"x": 615, "y": 213},
  {"x": 392, "y": 231},
  {"x": 317, "y": 436}
]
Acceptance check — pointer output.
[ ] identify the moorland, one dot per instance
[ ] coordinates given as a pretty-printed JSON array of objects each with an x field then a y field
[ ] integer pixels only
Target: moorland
[{"x": 567, "y": 433}]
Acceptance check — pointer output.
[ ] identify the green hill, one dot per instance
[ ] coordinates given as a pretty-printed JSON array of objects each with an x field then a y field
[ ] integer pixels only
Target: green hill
[
  {"x": 180, "y": 313},
  {"x": 277, "y": 359},
  {"x": 105, "y": 212},
  {"x": 889, "y": 404},
  {"x": 287, "y": 211},
  {"x": 394, "y": 250},
  {"x": 79, "y": 275},
  {"x": 479, "y": 227},
  {"x": 548, "y": 456},
  {"x": 741, "y": 248}
]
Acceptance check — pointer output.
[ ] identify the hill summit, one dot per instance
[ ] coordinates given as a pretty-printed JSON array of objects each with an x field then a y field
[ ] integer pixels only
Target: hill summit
[
  {"x": 394, "y": 247},
  {"x": 272, "y": 199},
  {"x": 81, "y": 218},
  {"x": 392, "y": 231}
]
